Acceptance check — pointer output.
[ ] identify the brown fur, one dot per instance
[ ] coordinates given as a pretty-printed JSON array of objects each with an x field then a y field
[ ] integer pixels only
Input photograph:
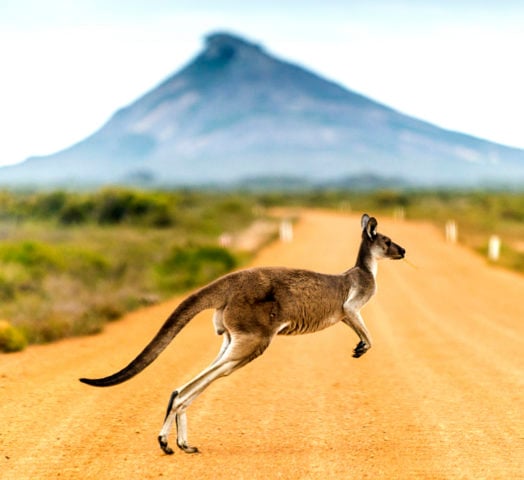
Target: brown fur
[{"x": 254, "y": 305}]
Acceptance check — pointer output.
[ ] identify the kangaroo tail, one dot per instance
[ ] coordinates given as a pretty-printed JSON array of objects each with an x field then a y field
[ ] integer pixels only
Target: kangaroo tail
[{"x": 172, "y": 326}]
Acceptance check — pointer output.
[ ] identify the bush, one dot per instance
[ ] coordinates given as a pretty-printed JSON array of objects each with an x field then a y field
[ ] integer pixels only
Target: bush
[
  {"x": 74, "y": 211},
  {"x": 115, "y": 206},
  {"x": 39, "y": 260},
  {"x": 11, "y": 338},
  {"x": 7, "y": 289},
  {"x": 192, "y": 266},
  {"x": 36, "y": 257}
]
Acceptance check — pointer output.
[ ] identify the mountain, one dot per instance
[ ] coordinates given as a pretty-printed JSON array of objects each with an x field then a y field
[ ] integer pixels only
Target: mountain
[{"x": 236, "y": 113}]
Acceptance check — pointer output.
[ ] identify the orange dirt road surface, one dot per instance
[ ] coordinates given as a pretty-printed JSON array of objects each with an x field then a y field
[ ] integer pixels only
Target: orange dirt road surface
[{"x": 439, "y": 396}]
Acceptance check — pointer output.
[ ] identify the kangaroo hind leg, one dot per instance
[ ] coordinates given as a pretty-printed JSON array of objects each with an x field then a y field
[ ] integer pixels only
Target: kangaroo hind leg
[
  {"x": 240, "y": 349},
  {"x": 220, "y": 329}
]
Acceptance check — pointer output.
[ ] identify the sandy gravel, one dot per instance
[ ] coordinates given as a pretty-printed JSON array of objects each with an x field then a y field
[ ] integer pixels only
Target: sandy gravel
[{"x": 439, "y": 396}]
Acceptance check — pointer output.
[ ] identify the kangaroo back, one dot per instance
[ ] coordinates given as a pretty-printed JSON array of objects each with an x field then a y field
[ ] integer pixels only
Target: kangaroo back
[{"x": 181, "y": 316}]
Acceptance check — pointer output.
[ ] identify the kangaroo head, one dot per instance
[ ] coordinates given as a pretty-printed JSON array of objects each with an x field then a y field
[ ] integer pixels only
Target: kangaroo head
[{"x": 380, "y": 245}]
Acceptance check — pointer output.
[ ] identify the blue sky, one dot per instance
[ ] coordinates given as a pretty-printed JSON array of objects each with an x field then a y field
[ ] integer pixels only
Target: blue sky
[{"x": 67, "y": 65}]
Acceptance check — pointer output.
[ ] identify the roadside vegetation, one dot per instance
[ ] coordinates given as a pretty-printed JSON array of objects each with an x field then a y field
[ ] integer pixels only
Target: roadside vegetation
[{"x": 71, "y": 262}]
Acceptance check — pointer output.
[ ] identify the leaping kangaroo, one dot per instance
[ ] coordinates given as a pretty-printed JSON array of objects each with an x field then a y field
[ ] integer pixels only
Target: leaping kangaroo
[{"x": 254, "y": 305}]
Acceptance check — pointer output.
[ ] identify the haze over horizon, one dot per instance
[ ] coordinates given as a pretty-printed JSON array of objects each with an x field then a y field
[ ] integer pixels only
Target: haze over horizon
[{"x": 69, "y": 66}]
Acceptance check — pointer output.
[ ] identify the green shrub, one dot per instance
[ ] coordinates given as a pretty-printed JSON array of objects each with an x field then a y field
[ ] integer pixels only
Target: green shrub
[
  {"x": 7, "y": 289},
  {"x": 192, "y": 266},
  {"x": 115, "y": 206},
  {"x": 75, "y": 211},
  {"x": 112, "y": 206},
  {"x": 11, "y": 338},
  {"x": 36, "y": 257},
  {"x": 49, "y": 204}
]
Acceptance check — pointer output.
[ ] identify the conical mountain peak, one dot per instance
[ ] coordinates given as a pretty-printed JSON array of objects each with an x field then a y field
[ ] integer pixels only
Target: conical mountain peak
[
  {"x": 236, "y": 111},
  {"x": 227, "y": 52},
  {"x": 220, "y": 43}
]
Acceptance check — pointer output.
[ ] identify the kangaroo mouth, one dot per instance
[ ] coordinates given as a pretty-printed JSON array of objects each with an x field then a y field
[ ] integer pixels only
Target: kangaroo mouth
[{"x": 400, "y": 255}]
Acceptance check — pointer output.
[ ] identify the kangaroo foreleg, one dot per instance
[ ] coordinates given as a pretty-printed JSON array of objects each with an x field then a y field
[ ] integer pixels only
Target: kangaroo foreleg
[{"x": 355, "y": 321}]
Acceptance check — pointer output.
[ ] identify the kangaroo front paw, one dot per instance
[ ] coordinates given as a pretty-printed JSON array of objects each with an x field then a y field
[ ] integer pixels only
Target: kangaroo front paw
[{"x": 360, "y": 349}]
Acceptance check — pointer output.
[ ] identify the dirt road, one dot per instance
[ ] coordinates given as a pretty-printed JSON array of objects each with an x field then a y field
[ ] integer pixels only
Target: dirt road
[{"x": 440, "y": 396}]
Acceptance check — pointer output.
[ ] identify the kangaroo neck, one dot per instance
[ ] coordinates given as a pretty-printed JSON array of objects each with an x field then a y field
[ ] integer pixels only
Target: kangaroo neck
[{"x": 365, "y": 260}]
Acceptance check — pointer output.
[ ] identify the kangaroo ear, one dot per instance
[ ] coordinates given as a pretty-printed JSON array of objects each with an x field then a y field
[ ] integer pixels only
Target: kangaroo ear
[
  {"x": 364, "y": 221},
  {"x": 369, "y": 225}
]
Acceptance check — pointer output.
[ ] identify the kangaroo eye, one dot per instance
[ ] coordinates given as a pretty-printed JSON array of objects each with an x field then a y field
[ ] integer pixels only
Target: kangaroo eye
[{"x": 388, "y": 242}]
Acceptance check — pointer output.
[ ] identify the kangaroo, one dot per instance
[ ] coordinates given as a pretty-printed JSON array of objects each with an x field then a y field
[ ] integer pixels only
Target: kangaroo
[{"x": 252, "y": 306}]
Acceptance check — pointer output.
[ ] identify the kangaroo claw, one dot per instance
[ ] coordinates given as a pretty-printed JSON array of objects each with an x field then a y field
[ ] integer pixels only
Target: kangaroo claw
[{"x": 360, "y": 349}]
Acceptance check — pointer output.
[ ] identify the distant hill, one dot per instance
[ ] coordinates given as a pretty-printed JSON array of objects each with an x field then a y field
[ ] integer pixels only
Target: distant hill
[{"x": 236, "y": 112}]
